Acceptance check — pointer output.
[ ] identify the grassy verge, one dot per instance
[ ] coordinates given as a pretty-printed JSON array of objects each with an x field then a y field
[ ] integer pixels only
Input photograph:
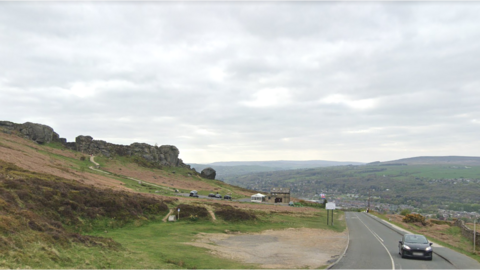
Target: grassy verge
[{"x": 458, "y": 242}]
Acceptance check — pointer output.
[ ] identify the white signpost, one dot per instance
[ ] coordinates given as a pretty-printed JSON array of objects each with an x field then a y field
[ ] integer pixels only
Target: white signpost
[
  {"x": 330, "y": 207},
  {"x": 178, "y": 214}
]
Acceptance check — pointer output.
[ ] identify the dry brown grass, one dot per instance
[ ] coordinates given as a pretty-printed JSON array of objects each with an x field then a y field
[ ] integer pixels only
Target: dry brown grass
[
  {"x": 447, "y": 232},
  {"x": 27, "y": 155}
]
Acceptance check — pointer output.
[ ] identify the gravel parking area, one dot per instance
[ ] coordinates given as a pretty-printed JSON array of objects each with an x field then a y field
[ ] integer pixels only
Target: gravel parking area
[{"x": 290, "y": 248}]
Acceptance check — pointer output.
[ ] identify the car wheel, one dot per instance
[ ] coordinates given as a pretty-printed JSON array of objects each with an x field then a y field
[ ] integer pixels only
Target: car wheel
[
  {"x": 430, "y": 258},
  {"x": 403, "y": 254}
]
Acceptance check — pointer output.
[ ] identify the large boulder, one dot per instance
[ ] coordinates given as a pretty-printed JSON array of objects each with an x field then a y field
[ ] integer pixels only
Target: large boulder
[
  {"x": 208, "y": 173},
  {"x": 169, "y": 155},
  {"x": 37, "y": 132}
]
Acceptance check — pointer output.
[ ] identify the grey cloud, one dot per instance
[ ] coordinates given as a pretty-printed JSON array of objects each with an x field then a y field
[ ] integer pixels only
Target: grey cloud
[{"x": 187, "y": 74}]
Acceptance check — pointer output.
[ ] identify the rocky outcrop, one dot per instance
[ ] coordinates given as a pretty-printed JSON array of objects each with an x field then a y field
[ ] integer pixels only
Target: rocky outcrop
[
  {"x": 165, "y": 155},
  {"x": 36, "y": 132},
  {"x": 208, "y": 173},
  {"x": 7, "y": 126}
]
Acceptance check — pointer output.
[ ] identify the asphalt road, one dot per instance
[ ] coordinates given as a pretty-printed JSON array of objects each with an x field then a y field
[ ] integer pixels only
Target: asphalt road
[
  {"x": 374, "y": 245},
  {"x": 206, "y": 197}
]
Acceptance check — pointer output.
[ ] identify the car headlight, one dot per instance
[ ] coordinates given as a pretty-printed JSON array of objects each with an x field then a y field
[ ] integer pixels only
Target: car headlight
[
  {"x": 428, "y": 249},
  {"x": 406, "y": 247}
]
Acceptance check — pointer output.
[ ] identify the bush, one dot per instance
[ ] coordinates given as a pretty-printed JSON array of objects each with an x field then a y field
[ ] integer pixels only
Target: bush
[
  {"x": 229, "y": 213},
  {"x": 187, "y": 211},
  {"x": 405, "y": 212},
  {"x": 414, "y": 218}
]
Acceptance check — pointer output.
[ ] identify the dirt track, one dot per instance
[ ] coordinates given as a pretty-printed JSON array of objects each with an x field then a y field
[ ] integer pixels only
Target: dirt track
[{"x": 291, "y": 248}]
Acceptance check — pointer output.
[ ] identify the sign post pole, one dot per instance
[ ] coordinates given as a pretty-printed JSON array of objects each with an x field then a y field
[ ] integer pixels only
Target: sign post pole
[
  {"x": 330, "y": 206},
  {"x": 332, "y": 217},
  {"x": 178, "y": 214}
]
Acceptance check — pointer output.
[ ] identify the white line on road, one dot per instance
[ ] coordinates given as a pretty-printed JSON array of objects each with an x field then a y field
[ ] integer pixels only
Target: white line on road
[
  {"x": 381, "y": 242},
  {"x": 378, "y": 237}
]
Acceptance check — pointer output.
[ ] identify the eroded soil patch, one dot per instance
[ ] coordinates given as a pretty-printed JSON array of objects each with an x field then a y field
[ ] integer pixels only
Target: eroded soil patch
[{"x": 290, "y": 248}]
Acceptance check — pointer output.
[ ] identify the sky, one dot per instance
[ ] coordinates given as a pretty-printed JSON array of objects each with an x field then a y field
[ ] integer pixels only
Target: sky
[{"x": 249, "y": 81}]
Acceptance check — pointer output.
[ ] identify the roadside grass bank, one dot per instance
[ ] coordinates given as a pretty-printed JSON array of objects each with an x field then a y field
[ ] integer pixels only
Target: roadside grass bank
[{"x": 444, "y": 233}]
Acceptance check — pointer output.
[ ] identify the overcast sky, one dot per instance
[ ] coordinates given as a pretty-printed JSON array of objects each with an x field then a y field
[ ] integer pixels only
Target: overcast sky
[{"x": 249, "y": 81}]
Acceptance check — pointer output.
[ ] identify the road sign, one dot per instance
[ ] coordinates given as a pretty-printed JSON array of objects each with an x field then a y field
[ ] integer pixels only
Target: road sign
[{"x": 330, "y": 206}]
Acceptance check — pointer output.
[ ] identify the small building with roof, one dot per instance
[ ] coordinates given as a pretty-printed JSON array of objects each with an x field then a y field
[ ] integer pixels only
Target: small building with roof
[{"x": 279, "y": 195}]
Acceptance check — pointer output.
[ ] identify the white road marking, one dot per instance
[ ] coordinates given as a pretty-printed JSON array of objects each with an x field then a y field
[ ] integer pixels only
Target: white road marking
[
  {"x": 381, "y": 242},
  {"x": 378, "y": 237}
]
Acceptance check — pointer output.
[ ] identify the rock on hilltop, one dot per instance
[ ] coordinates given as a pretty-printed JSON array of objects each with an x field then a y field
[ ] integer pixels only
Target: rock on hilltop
[{"x": 165, "y": 155}]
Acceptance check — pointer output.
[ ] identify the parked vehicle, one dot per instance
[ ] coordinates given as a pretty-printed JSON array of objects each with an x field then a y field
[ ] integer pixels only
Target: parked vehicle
[
  {"x": 218, "y": 196},
  {"x": 291, "y": 203},
  {"x": 415, "y": 246},
  {"x": 211, "y": 195},
  {"x": 194, "y": 193},
  {"x": 227, "y": 197}
]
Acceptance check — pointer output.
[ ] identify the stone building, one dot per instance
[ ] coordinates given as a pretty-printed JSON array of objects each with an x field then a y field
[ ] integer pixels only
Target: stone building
[{"x": 279, "y": 195}]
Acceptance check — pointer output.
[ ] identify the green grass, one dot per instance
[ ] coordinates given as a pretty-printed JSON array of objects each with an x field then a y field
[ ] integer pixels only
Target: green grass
[
  {"x": 431, "y": 171},
  {"x": 56, "y": 145},
  {"x": 162, "y": 245}
]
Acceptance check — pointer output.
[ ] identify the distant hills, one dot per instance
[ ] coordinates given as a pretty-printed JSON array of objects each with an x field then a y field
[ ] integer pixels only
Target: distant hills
[
  {"x": 235, "y": 168},
  {"x": 432, "y": 160},
  {"x": 429, "y": 182},
  {"x": 228, "y": 169},
  {"x": 287, "y": 164}
]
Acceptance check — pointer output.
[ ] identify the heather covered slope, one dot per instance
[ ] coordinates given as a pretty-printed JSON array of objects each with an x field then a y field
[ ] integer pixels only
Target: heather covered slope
[
  {"x": 56, "y": 212},
  {"x": 55, "y": 159},
  {"x": 43, "y": 217}
]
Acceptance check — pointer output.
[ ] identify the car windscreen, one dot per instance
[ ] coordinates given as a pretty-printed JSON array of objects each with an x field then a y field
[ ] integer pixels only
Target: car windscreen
[{"x": 416, "y": 239}]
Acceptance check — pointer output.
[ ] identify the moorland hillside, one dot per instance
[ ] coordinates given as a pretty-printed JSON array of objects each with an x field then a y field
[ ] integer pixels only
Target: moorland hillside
[{"x": 59, "y": 209}]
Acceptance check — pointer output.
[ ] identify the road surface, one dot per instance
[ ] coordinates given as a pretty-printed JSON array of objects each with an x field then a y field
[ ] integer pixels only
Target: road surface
[{"x": 374, "y": 245}]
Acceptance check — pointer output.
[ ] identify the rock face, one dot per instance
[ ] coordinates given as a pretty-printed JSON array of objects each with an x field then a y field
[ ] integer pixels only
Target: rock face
[
  {"x": 208, "y": 173},
  {"x": 36, "y": 132},
  {"x": 165, "y": 155}
]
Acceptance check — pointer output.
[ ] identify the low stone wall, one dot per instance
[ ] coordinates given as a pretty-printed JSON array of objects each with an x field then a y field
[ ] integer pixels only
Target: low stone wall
[{"x": 467, "y": 232}]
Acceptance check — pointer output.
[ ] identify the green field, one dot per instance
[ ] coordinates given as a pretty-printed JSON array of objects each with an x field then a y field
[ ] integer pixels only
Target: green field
[{"x": 455, "y": 187}]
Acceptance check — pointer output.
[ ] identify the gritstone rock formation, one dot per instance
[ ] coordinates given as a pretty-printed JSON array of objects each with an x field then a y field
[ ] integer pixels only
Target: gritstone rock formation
[
  {"x": 208, "y": 173},
  {"x": 165, "y": 155}
]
